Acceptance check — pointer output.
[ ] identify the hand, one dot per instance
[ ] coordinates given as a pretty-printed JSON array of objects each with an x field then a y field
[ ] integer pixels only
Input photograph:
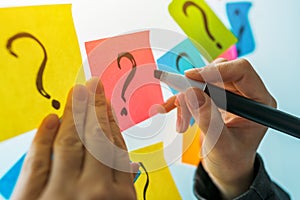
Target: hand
[
  {"x": 230, "y": 141},
  {"x": 59, "y": 166}
]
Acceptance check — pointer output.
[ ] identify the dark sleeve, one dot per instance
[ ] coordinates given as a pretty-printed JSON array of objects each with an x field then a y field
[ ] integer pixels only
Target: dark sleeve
[{"x": 262, "y": 187}]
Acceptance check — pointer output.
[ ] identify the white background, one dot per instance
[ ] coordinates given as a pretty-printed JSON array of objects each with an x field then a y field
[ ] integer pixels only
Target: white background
[{"x": 276, "y": 59}]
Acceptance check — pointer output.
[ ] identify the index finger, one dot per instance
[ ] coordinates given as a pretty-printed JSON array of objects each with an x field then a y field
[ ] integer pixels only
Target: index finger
[{"x": 238, "y": 72}]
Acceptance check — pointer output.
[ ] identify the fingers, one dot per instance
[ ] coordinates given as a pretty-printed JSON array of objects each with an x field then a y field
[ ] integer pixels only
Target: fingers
[
  {"x": 37, "y": 164},
  {"x": 168, "y": 105},
  {"x": 97, "y": 137},
  {"x": 68, "y": 148},
  {"x": 207, "y": 116},
  {"x": 240, "y": 73},
  {"x": 183, "y": 114},
  {"x": 122, "y": 168}
]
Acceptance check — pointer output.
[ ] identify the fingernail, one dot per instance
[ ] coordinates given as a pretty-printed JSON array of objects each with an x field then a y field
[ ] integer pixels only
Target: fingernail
[
  {"x": 135, "y": 167},
  {"x": 195, "y": 99},
  {"x": 80, "y": 93},
  {"x": 155, "y": 109},
  {"x": 52, "y": 121},
  {"x": 94, "y": 85}
]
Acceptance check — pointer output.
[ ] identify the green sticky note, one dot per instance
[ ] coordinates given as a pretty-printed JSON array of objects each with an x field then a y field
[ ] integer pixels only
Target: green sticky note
[{"x": 202, "y": 26}]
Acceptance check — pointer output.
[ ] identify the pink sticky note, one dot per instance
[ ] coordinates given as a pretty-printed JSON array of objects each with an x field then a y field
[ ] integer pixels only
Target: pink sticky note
[
  {"x": 125, "y": 65},
  {"x": 230, "y": 54}
]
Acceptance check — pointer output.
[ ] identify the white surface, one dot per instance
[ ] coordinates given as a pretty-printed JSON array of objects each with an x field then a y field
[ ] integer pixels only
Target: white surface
[{"x": 276, "y": 29}]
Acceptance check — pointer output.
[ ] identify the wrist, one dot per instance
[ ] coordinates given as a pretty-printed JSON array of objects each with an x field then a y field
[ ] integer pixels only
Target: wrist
[{"x": 232, "y": 178}]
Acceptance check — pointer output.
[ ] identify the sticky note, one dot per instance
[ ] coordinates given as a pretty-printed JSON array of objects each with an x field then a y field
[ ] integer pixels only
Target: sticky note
[
  {"x": 161, "y": 184},
  {"x": 9, "y": 180},
  {"x": 40, "y": 62},
  {"x": 237, "y": 13},
  {"x": 202, "y": 26},
  {"x": 125, "y": 65},
  {"x": 191, "y": 145},
  {"x": 230, "y": 54},
  {"x": 182, "y": 57}
]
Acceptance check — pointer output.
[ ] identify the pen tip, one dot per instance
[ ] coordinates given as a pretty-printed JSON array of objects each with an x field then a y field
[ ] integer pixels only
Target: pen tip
[{"x": 157, "y": 74}]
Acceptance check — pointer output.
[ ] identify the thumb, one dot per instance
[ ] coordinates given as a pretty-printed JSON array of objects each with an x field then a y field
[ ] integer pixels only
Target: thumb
[{"x": 206, "y": 115}]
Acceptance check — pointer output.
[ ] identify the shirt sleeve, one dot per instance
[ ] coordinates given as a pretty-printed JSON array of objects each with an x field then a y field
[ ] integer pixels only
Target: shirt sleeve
[{"x": 262, "y": 187}]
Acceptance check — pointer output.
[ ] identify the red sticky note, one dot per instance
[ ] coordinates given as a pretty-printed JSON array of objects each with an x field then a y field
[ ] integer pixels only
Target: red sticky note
[{"x": 125, "y": 65}]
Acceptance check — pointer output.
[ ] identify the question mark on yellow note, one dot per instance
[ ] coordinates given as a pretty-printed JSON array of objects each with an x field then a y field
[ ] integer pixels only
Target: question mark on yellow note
[
  {"x": 39, "y": 78},
  {"x": 205, "y": 20},
  {"x": 129, "y": 78}
]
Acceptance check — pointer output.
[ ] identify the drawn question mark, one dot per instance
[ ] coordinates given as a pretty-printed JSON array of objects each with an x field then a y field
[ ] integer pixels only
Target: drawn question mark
[
  {"x": 190, "y": 3},
  {"x": 241, "y": 31},
  {"x": 179, "y": 57},
  {"x": 129, "y": 78},
  {"x": 39, "y": 78}
]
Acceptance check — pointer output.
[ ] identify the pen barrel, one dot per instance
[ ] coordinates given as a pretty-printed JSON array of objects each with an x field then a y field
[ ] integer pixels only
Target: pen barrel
[{"x": 254, "y": 111}]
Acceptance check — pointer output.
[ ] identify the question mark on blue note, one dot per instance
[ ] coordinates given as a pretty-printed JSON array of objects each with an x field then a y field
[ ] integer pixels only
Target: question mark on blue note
[
  {"x": 39, "y": 78},
  {"x": 205, "y": 20},
  {"x": 237, "y": 13},
  {"x": 185, "y": 57},
  {"x": 129, "y": 78}
]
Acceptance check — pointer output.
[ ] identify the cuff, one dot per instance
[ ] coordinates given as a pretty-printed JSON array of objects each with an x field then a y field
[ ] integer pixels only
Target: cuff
[{"x": 261, "y": 188}]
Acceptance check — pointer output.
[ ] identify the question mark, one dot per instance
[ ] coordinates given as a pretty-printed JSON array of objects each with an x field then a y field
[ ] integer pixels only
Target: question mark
[
  {"x": 130, "y": 57},
  {"x": 39, "y": 78},
  {"x": 190, "y": 3},
  {"x": 179, "y": 57},
  {"x": 241, "y": 31}
]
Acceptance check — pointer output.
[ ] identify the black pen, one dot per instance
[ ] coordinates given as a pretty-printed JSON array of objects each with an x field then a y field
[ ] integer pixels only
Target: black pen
[{"x": 236, "y": 104}]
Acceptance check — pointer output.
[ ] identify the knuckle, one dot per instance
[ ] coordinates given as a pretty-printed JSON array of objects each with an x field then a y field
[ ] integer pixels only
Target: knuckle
[
  {"x": 273, "y": 102},
  {"x": 99, "y": 102},
  {"x": 35, "y": 164},
  {"x": 245, "y": 64},
  {"x": 43, "y": 142},
  {"x": 69, "y": 141}
]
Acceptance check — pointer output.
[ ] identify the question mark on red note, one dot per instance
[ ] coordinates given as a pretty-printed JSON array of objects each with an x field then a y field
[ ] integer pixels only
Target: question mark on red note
[
  {"x": 205, "y": 20},
  {"x": 39, "y": 78},
  {"x": 129, "y": 78}
]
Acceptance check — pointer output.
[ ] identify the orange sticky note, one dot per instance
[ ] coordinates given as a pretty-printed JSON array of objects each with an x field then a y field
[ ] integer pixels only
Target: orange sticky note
[
  {"x": 161, "y": 184},
  {"x": 40, "y": 62},
  {"x": 191, "y": 145}
]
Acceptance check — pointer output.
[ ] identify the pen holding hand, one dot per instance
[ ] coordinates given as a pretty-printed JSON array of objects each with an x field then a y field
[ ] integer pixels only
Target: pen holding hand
[{"x": 230, "y": 162}]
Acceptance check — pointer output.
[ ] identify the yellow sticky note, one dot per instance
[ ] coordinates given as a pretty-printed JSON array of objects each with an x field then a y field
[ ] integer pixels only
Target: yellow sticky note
[
  {"x": 191, "y": 145},
  {"x": 202, "y": 26},
  {"x": 161, "y": 184},
  {"x": 40, "y": 61}
]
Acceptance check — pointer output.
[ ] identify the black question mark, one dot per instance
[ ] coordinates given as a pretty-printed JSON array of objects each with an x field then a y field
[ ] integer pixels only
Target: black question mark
[
  {"x": 190, "y": 3},
  {"x": 129, "y": 78},
  {"x": 241, "y": 31},
  {"x": 147, "y": 180},
  {"x": 39, "y": 78},
  {"x": 179, "y": 57}
]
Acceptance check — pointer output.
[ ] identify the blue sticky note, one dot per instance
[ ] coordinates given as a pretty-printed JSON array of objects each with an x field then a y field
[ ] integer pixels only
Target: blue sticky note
[
  {"x": 238, "y": 17},
  {"x": 182, "y": 57},
  {"x": 9, "y": 180}
]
